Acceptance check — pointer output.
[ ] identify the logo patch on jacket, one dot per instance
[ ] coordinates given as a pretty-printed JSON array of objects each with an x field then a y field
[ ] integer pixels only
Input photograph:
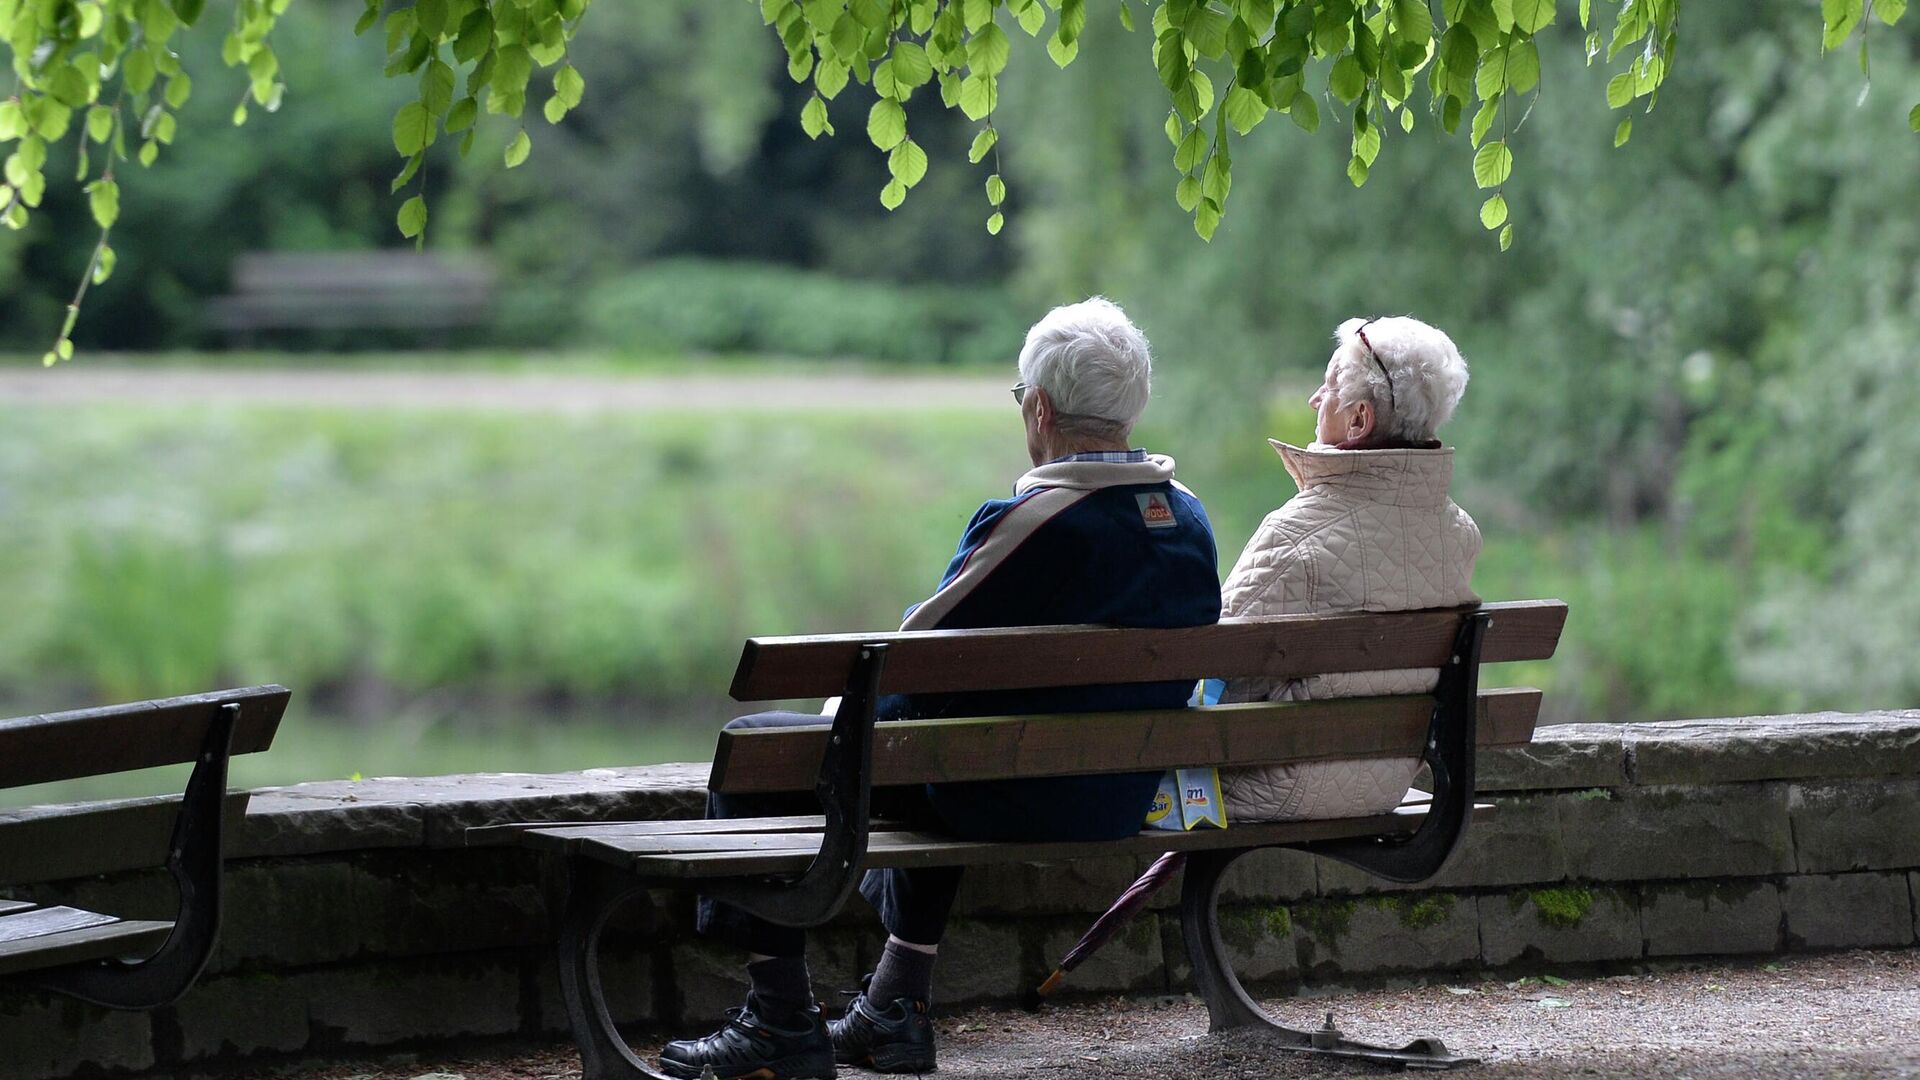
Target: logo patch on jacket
[{"x": 1156, "y": 511}]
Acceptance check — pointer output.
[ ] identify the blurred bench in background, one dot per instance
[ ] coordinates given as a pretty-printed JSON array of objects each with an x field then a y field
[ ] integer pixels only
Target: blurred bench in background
[{"x": 358, "y": 290}]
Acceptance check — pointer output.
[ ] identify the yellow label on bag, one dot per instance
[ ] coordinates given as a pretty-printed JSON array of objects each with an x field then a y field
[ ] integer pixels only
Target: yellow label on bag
[{"x": 1187, "y": 799}]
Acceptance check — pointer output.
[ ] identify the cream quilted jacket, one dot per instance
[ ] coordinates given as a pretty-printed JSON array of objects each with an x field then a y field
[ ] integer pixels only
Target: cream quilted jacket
[{"x": 1370, "y": 530}]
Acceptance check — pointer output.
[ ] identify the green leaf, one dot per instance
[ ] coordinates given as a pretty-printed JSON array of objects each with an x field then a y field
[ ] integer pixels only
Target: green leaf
[
  {"x": 1532, "y": 15},
  {"x": 1357, "y": 171},
  {"x": 1187, "y": 194},
  {"x": 104, "y": 268},
  {"x": 1503, "y": 14},
  {"x": 568, "y": 85},
  {"x": 1890, "y": 10},
  {"x": 911, "y": 68},
  {"x": 99, "y": 123},
  {"x": 1483, "y": 119},
  {"x": 995, "y": 222},
  {"x": 413, "y": 129},
  {"x": 1305, "y": 113},
  {"x": 461, "y": 116},
  {"x": 907, "y": 163},
  {"x": 179, "y": 88},
  {"x": 988, "y": 50},
  {"x": 996, "y": 190},
  {"x": 475, "y": 37},
  {"x": 1913, "y": 118},
  {"x": 408, "y": 172},
  {"x": 436, "y": 88},
  {"x": 982, "y": 143},
  {"x": 518, "y": 149},
  {"x": 1406, "y": 120},
  {"x": 1493, "y": 212},
  {"x": 1620, "y": 90},
  {"x": 830, "y": 77},
  {"x": 813, "y": 118},
  {"x": 1191, "y": 150},
  {"x": 1062, "y": 52},
  {"x": 189, "y": 10},
  {"x": 848, "y": 38},
  {"x": 1450, "y": 115},
  {"x": 886, "y": 123},
  {"x": 1523, "y": 67},
  {"x": 1492, "y": 164},
  {"x": 413, "y": 217},
  {"x": 1170, "y": 58},
  {"x": 1206, "y": 219},
  {"x": 1414, "y": 19},
  {"x": 1625, "y": 131},
  {"x": 137, "y": 71},
  {"x": 1348, "y": 80},
  {"x": 978, "y": 95},
  {"x": 1506, "y": 236},
  {"x": 1218, "y": 179},
  {"x": 1126, "y": 16},
  {"x": 1244, "y": 109},
  {"x": 893, "y": 194},
  {"x": 149, "y": 152},
  {"x": 103, "y": 198}
]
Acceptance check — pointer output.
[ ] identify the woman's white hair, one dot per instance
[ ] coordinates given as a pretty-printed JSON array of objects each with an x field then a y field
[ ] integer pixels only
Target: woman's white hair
[
  {"x": 1428, "y": 374},
  {"x": 1094, "y": 365}
]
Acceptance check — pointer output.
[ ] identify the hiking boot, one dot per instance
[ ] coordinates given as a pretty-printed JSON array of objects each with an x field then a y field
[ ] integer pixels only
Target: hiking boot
[
  {"x": 750, "y": 1048},
  {"x": 895, "y": 1039}
]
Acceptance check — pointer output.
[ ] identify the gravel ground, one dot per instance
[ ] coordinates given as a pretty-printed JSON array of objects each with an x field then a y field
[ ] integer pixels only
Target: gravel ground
[{"x": 1850, "y": 1015}]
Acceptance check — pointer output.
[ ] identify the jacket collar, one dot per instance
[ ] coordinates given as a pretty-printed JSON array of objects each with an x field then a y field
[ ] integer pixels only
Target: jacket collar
[
  {"x": 1412, "y": 477},
  {"x": 1093, "y": 475}
]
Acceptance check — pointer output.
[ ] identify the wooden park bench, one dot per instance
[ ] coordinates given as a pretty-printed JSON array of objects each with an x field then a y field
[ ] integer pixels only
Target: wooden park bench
[
  {"x": 798, "y": 871},
  {"x": 358, "y": 290},
  {"x": 79, "y": 952}
]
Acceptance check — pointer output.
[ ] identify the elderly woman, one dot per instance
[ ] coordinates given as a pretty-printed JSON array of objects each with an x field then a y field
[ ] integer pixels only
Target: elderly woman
[{"x": 1372, "y": 529}]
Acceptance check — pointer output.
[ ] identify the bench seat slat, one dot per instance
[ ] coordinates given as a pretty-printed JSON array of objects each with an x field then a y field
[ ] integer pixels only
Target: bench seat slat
[
  {"x": 563, "y": 836},
  {"x": 991, "y": 748},
  {"x": 1019, "y": 658},
  {"x": 9, "y": 906},
  {"x": 95, "y": 940},
  {"x": 118, "y": 738},
  {"x": 48, "y": 920},
  {"x": 908, "y": 849}
]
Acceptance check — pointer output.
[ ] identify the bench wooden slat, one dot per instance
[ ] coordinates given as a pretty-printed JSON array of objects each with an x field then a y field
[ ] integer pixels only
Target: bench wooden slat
[
  {"x": 1282, "y": 646},
  {"x": 118, "y": 738},
  {"x": 7, "y": 906},
  {"x": 917, "y": 850},
  {"x": 55, "y": 843},
  {"x": 561, "y": 836},
  {"x": 48, "y": 920},
  {"x": 932, "y": 751},
  {"x": 90, "y": 942}
]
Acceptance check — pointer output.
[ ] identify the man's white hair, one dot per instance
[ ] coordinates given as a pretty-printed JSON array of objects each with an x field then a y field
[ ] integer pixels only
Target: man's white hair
[
  {"x": 1093, "y": 363},
  {"x": 1428, "y": 374}
]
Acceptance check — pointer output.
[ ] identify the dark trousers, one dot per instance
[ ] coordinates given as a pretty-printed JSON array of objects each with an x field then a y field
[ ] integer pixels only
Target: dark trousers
[{"x": 914, "y": 904}]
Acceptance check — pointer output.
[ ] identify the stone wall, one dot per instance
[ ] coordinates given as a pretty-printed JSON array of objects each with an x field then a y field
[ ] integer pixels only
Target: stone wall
[{"x": 357, "y": 920}]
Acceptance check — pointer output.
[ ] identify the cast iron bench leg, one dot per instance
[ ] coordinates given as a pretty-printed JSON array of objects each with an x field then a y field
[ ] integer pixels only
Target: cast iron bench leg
[
  {"x": 594, "y": 892},
  {"x": 1228, "y": 1004},
  {"x": 194, "y": 858}
]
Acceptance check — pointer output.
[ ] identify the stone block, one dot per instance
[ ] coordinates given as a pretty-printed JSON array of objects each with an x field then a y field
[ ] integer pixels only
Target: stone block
[
  {"x": 288, "y": 821},
  {"x": 626, "y": 976},
  {"x": 1520, "y": 844},
  {"x": 1268, "y": 876},
  {"x": 1748, "y": 748},
  {"x": 1406, "y": 932},
  {"x": 712, "y": 978},
  {"x": 444, "y": 998},
  {"x": 1711, "y": 918},
  {"x": 423, "y": 902},
  {"x": 1133, "y": 961},
  {"x": 982, "y": 960},
  {"x": 284, "y": 913},
  {"x": 239, "y": 1015},
  {"x": 142, "y": 894},
  {"x": 1560, "y": 756},
  {"x": 1856, "y": 825},
  {"x": 1567, "y": 924},
  {"x": 1848, "y": 911},
  {"x": 43, "y": 1037},
  {"x": 1084, "y": 886},
  {"x": 1733, "y": 830},
  {"x": 1913, "y": 897},
  {"x": 1260, "y": 943}
]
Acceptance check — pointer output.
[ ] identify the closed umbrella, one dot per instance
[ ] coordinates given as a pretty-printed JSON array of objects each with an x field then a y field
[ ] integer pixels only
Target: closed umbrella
[{"x": 1106, "y": 926}]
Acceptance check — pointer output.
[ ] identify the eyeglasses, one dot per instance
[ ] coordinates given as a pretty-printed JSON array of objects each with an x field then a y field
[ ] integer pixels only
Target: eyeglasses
[
  {"x": 1361, "y": 333},
  {"x": 1020, "y": 393}
]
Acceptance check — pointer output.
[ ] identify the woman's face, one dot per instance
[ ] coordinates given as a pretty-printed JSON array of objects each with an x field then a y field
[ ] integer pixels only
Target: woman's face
[{"x": 1330, "y": 426}]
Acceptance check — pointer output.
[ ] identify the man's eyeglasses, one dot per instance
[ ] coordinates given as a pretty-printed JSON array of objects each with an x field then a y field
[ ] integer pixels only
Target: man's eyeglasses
[{"x": 1020, "y": 393}]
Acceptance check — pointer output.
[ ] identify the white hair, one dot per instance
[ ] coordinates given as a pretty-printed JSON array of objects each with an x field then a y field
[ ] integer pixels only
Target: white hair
[
  {"x": 1093, "y": 363},
  {"x": 1428, "y": 374}
]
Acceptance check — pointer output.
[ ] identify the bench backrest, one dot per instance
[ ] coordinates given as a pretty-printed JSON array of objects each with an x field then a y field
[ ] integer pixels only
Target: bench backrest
[
  {"x": 1282, "y": 647},
  {"x": 120, "y": 738}
]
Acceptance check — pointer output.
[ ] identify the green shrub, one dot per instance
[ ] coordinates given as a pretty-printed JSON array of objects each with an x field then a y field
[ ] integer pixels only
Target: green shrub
[{"x": 723, "y": 307}]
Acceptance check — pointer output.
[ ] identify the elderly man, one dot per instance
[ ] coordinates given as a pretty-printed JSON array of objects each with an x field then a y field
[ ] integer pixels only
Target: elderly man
[{"x": 1097, "y": 532}]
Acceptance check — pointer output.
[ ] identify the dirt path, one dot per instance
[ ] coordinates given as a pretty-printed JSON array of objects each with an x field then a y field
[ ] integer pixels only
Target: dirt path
[
  {"x": 514, "y": 391},
  {"x": 1851, "y": 1014}
]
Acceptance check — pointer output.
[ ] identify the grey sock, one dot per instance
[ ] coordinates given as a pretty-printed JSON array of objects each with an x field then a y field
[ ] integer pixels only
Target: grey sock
[
  {"x": 780, "y": 988},
  {"x": 902, "y": 973}
]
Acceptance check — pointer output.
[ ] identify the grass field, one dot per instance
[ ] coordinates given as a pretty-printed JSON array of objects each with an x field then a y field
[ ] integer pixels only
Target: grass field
[{"x": 454, "y": 591}]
